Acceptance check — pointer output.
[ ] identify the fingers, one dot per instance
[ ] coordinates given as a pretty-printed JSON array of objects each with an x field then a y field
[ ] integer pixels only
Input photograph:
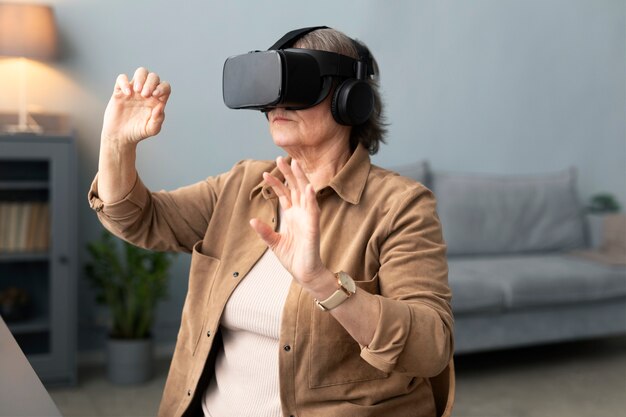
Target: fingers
[
  {"x": 302, "y": 180},
  {"x": 151, "y": 83},
  {"x": 122, "y": 85},
  {"x": 156, "y": 119},
  {"x": 162, "y": 91},
  {"x": 292, "y": 183},
  {"x": 148, "y": 84},
  {"x": 283, "y": 193},
  {"x": 308, "y": 197},
  {"x": 297, "y": 180},
  {"x": 284, "y": 167},
  {"x": 265, "y": 232},
  {"x": 298, "y": 191},
  {"x": 139, "y": 79}
]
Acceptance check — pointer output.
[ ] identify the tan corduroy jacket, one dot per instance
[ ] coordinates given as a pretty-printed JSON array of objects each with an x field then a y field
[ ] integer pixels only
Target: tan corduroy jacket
[{"x": 380, "y": 228}]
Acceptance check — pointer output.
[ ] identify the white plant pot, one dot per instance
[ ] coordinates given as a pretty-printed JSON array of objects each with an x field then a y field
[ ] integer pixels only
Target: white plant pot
[
  {"x": 129, "y": 361},
  {"x": 595, "y": 222}
]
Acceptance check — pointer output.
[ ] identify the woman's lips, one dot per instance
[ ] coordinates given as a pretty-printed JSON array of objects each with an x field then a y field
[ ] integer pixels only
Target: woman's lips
[{"x": 279, "y": 117}]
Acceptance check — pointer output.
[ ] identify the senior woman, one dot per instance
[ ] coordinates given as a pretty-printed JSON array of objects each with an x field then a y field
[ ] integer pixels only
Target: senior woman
[{"x": 318, "y": 282}]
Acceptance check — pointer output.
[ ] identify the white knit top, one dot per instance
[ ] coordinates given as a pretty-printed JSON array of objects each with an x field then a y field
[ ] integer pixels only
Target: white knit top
[{"x": 245, "y": 381}]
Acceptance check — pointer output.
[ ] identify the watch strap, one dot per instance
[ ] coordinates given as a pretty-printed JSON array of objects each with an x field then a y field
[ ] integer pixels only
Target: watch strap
[{"x": 346, "y": 288}]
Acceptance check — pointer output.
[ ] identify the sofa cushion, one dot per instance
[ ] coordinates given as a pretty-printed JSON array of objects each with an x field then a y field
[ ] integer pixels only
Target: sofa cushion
[
  {"x": 471, "y": 292},
  {"x": 418, "y": 170},
  {"x": 491, "y": 214},
  {"x": 541, "y": 280}
]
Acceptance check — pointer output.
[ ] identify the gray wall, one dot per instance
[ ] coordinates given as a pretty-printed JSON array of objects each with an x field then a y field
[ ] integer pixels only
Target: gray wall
[{"x": 497, "y": 86}]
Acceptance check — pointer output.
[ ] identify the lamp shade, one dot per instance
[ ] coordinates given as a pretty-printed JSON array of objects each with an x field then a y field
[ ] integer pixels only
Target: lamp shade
[{"x": 27, "y": 30}]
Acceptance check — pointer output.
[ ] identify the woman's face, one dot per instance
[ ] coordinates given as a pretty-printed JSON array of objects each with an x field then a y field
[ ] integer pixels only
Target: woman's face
[{"x": 314, "y": 127}]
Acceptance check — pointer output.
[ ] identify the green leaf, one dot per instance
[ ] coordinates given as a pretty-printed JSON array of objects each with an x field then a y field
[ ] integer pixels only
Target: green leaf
[{"x": 130, "y": 281}]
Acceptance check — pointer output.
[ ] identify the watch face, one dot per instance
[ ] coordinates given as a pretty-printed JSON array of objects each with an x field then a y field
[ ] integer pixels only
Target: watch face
[{"x": 347, "y": 282}]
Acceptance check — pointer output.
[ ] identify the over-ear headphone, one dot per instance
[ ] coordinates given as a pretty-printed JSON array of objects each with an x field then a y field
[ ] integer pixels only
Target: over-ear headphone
[{"x": 353, "y": 100}]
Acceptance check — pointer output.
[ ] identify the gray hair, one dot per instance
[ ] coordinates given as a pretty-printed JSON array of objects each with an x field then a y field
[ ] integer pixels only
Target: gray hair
[{"x": 371, "y": 133}]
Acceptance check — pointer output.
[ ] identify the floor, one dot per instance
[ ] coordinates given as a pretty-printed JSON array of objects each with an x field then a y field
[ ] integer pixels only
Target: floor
[{"x": 582, "y": 379}]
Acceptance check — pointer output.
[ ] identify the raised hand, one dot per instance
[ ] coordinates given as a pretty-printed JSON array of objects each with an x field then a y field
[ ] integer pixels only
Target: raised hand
[
  {"x": 135, "y": 112},
  {"x": 297, "y": 245},
  {"x": 136, "y": 108}
]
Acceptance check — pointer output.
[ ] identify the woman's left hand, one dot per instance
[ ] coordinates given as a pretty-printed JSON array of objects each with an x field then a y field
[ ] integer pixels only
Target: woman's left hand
[{"x": 297, "y": 245}]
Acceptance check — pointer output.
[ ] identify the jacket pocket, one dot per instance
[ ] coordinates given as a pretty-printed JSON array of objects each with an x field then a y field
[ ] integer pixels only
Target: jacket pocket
[
  {"x": 334, "y": 355},
  {"x": 201, "y": 279}
]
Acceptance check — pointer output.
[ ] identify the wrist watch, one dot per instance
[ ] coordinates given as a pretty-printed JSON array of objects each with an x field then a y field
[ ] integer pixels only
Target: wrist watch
[{"x": 347, "y": 287}]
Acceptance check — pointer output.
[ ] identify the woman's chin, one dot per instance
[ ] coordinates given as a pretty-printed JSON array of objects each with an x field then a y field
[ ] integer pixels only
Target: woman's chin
[{"x": 283, "y": 140}]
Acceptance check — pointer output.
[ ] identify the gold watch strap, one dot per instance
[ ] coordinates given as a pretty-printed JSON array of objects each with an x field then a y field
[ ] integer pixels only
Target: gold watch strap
[{"x": 346, "y": 288}]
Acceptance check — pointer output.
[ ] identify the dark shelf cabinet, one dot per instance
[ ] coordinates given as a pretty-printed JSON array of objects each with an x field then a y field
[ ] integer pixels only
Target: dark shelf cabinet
[{"x": 38, "y": 253}]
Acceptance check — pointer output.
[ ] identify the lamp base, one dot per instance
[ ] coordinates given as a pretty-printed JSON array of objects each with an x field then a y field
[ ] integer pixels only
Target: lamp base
[
  {"x": 52, "y": 124},
  {"x": 29, "y": 127}
]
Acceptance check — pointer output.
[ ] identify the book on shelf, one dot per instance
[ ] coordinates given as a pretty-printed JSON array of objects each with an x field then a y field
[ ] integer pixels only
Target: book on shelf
[{"x": 24, "y": 226}]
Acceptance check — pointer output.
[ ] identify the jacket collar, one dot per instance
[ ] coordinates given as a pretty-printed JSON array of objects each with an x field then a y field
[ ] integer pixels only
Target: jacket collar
[{"x": 349, "y": 182}]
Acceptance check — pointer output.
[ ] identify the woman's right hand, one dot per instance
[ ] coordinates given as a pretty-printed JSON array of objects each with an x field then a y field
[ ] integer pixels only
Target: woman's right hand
[{"x": 136, "y": 108}]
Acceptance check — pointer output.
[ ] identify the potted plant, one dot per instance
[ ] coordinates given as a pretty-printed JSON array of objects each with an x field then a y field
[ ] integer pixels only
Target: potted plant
[
  {"x": 599, "y": 206},
  {"x": 603, "y": 203},
  {"x": 129, "y": 281}
]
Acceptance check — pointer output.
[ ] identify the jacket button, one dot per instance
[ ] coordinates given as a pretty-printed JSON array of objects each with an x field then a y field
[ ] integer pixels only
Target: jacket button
[
  {"x": 189, "y": 392},
  {"x": 208, "y": 334},
  {"x": 286, "y": 348},
  {"x": 235, "y": 274}
]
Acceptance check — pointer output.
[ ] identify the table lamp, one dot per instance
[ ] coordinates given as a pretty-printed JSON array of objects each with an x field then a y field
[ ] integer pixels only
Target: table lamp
[{"x": 26, "y": 31}]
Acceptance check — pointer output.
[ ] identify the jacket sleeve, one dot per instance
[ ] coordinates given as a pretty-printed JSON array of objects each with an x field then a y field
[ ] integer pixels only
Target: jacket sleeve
[
  {"x": 162, "y": 221},
  {"x": 414, "y": 334}
]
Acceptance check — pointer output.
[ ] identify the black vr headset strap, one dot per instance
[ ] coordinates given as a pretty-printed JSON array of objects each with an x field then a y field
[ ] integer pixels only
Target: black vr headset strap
[
  {"x": 293, "y": 36},
  {"x": 365, "y": 57},
  {"x": 290, "y": 37},
  {"x": 363, "y": 69}
]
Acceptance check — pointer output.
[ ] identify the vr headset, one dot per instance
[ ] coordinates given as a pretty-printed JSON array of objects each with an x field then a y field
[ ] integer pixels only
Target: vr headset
[{"x": 296, "y": 79}]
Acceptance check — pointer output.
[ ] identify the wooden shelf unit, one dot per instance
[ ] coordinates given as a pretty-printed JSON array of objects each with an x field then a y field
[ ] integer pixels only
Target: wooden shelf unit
[{"x": 38, "y": 252}]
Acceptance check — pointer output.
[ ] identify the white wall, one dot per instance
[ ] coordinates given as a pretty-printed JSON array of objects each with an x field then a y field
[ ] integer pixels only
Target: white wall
[{"x": 483, "y": 86}]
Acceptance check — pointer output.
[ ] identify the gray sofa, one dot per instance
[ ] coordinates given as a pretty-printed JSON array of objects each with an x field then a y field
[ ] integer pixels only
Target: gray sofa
[{"x": 514, "y": 277}]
